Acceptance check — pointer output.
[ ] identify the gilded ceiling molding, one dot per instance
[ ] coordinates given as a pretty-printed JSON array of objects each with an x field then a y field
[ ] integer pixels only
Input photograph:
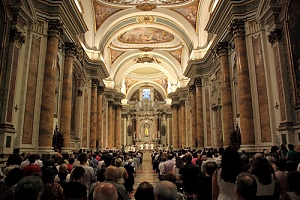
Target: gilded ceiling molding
[
  {"x": 146, "y": 19},
  {"x": 146, "y": 49},
  {"x": 146, "y": 7}
]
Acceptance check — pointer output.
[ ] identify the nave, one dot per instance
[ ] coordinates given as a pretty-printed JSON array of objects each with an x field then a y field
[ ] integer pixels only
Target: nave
[{"x": 145, "y": 173}]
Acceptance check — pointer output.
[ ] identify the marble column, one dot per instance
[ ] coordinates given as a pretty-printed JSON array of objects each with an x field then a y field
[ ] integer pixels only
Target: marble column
[
  {"x": 93, "y": 119},
  {"x": 199, "y": 113},
  {"x": 218, "y": 124},
  {"x": 183, "y": 124},
  {"x": 227, "y": 117},
  {"x": 110, "y": 136},
  {"x": 99, "y": 136},
  {"x": 175, "y": 137},
  {"x": 46, "y": 127},
  {"x": 192, "y": 90},
  {"x": 237, "y": 28},
  {"x": 118, "y": 108},
  {"x": 66, "y": 103}
]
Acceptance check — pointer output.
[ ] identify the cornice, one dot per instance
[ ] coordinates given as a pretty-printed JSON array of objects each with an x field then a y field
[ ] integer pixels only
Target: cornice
[
  {"x": 200, "y": 67},
  {"x": 227, "y": 10},
  {"x": 95, "y": 68},
  {"x": 67, "y": 12}
]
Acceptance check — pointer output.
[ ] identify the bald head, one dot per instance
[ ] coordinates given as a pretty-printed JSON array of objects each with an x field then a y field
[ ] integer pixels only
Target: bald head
[
  {"x": 105, "y": 191},
  {"x": 165, "y": 190},
  {"x": 111, "y": 173}
]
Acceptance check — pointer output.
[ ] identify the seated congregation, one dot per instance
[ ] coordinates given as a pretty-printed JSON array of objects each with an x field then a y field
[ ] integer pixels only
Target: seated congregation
[{"x": 223, "y": 174}]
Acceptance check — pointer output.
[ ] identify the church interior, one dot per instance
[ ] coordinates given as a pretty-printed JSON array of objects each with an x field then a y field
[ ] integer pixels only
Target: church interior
[{"x": 96, "y": 74}]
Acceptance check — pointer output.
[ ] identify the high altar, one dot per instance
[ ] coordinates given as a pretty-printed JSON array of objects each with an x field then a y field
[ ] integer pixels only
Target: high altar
[{"x": 146, "y": 120}]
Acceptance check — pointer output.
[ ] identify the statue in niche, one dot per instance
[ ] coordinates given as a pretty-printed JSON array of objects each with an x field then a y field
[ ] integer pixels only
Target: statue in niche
[
  {"x": 129, "y": 130},
  {"x": 235, "y": 138},
  {"x": 146, "y": 132}
]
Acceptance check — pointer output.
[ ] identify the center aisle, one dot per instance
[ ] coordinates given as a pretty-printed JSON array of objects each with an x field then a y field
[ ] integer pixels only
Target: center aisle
[{"x": 145, "y": 172}]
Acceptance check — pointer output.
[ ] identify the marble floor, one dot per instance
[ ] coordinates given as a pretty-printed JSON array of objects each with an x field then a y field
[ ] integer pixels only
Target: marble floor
[{"x": 145, "y": 172}]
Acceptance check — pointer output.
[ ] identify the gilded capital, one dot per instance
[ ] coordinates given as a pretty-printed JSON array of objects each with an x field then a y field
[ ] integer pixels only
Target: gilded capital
[
  {"x": 237, "y": 28},
  {"x": 192, "y": 89},
  {"x": 71, "y": 49},
  {"x": 275, "y": 36},
  {"x": 95, "y": 82},
  {"x": 55, "y": 28},
  {"x": 198, "y": 81},
  {"x": 100, "y": 89},
  {"x": 17, "y": 37},
  {"x": 222, "y": 49}
]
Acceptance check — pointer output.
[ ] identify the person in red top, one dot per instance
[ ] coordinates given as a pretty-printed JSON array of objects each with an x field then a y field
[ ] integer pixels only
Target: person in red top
[{"x": 32, "y": 167}]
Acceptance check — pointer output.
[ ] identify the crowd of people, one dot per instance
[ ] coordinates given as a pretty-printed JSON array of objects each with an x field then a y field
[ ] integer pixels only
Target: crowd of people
[{"x": 191, "y": 174}]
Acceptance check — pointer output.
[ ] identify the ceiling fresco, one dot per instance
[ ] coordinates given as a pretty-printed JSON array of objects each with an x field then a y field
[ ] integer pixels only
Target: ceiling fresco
[
  {"x": 146, "y": 35},
  {"x": 176, "y": 54},
  {"x": 152, "y": 2},
  {"x": 189, "y": 12},
  {"x": 102, "y": 12},
  {"x": 114, "y": 54}
]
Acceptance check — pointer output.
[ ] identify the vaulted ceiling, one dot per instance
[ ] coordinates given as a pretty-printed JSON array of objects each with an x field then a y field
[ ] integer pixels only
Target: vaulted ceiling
[{"x": 146, "y": 41}]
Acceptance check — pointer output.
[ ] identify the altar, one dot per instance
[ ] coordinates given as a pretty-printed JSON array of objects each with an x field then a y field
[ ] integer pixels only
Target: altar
[{"x": 146, "y": 145}]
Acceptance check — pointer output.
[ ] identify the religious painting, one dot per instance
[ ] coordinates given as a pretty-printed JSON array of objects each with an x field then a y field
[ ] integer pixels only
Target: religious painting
[
  {"x": 293, "y": 22},
  {"x": 157, "y": 96},
  {"x": 114, "y": 55},
  {"x": 189, "y": 12},
  {"x": 146, "y": 35},
  {"x": 102, "y": 13},
  {"x": 177, "y": 54},
  {"x": 135, "y": 96}
]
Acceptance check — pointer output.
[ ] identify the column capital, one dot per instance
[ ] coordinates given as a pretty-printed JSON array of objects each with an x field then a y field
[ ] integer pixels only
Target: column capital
[
  {"x": 182, "y": 103},
  {"x": 117, "y": 106},
  {"x": 55, "y": 28},
  {"x": 100, "y": 89},
  {"x": 222, "y": 49},
  {"x": 275, "y": 36},
  {"x": 110, "y": 104},
  {"x": 174, "y": 106},
  {"x": 71, "y": 49},
  {"x": 95, "y": 82},
  {"x": 79, "y": 93},
  {"x": 17, "y": 37},
  {"x": 237, "y": 28},
  {"x": 198, "y": 81},
  {"x": 192, "y": 89}
]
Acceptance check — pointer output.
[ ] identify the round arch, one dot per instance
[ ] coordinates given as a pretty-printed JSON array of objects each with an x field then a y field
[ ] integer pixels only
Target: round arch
[{"x": 136, "y": 86}]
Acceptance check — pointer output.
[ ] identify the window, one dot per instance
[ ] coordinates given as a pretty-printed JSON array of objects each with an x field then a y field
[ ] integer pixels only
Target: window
[{"x": 146, "y": 94}]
